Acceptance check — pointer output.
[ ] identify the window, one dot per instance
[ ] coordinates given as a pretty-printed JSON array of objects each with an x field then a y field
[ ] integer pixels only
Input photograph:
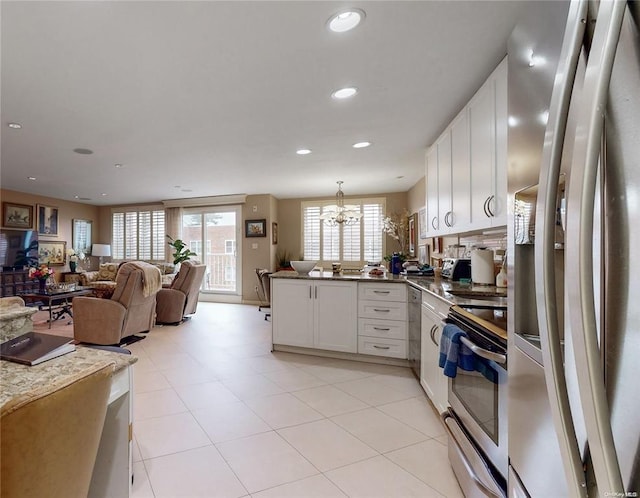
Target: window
[
  {"x": 357, "y": 243},
  {"x": 229, "y": 246},
  {"x": 138, "y": 234},
  {"x": 195, "y": 246}
]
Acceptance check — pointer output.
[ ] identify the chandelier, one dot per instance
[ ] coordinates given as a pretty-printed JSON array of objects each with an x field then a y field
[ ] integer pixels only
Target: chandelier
[{"x": 341, "y": 214}]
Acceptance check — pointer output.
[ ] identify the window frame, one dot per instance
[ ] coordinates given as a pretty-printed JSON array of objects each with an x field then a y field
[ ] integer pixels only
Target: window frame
[
  {"x": 361, "y": 203},
  {"x": 155, "y": 239}
]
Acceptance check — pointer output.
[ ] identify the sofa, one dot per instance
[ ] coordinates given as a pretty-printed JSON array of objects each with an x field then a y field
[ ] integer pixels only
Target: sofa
[{"x": 103, "y": 281}]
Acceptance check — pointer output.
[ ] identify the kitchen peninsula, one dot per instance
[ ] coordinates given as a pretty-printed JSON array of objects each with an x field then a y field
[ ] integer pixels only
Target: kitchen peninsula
[{"x": 357, "y": 316}]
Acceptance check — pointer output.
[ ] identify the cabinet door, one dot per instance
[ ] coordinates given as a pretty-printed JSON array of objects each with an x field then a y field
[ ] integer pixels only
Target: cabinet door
[
  {"x": 429, "y": 355},
  {"x": 445, "y": 209},
  {"x": 460, "y": 220},
  {"x": 336, "y": 320},
  {"x": 499, "y": 203},
  {"x": 292, "y": 312},
  {"x": 431, "y": 176},
  {"x": 482, "y": 140}
]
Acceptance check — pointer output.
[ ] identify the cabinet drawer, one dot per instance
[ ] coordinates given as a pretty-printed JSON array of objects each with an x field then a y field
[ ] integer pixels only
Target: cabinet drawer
[
  {"x": 389, "y": 329},
  {"x": 382, "y": 292},
  {"x": 393, "y": 348},
  {"x": 382, "y": 310}
]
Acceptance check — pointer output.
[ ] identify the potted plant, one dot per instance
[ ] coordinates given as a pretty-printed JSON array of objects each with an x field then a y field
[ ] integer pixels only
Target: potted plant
[
  {"x": 182, "y": 252},
  {"x": 283, "y": 260},
  {"x": 396, "y": 226}
]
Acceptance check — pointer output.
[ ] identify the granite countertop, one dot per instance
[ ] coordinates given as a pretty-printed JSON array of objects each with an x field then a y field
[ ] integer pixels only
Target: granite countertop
[
  {"x": 19, "y": 381},
  {"x": 460, "y": 293}
]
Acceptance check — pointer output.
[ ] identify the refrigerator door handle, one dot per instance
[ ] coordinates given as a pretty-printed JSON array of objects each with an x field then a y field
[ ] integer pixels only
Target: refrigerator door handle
[
  {"x": 580, "y": 224},
  {"x": 544, "y": 249}
]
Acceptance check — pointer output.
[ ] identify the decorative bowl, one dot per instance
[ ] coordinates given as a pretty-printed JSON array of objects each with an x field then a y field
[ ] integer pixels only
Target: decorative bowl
[{"x": 303, "y": 267}]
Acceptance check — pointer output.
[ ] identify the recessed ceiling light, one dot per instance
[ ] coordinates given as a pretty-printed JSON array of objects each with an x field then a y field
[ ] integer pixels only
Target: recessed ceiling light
[
  {"x": 118, "y": 165},
  {"x": 80, "y": 150},
  {"x": 361, "y": 145},
  {"x": 187, "y": 190},
  {"x": 345, "y": 20},
  {"x": 103, "y": 194},
  {"x": 76, "y": 197},
  {"x": 15, "y": 126},
  {"x": 32, "y": 178},
  {"x": 303, "y": 152},
  {"x": 344, "y": 93}
]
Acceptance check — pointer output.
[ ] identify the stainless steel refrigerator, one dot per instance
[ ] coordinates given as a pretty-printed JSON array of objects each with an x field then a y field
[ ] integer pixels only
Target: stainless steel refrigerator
[{"x": 574, "y": 250}]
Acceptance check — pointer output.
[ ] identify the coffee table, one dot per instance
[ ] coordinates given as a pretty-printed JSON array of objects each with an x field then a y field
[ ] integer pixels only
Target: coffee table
[{"x": 57, "y": 301}]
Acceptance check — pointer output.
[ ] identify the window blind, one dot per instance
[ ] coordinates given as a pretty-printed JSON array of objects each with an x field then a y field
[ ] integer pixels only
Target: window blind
[{"x": 138, "y": 235}]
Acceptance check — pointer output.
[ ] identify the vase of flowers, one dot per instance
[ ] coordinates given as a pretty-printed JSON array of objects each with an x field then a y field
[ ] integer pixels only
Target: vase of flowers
[
  {"x": 396, "y": 226},
  {"x": 41, "y": 274}
]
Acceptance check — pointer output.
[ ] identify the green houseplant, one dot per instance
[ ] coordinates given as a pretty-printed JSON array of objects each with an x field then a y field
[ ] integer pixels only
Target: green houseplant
[{"x": 182, "y": 252}]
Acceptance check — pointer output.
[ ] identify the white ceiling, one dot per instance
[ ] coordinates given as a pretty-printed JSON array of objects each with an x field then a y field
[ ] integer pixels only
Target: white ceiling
[{"x": 210, "y": 98}]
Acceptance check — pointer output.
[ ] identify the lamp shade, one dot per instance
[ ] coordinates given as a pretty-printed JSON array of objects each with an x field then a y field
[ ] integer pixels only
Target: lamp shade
[{"x": 101, "y": 250}]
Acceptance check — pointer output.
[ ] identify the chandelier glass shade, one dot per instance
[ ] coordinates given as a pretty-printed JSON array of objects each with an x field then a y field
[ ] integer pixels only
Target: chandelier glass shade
[{"x": 340, "y": 214}]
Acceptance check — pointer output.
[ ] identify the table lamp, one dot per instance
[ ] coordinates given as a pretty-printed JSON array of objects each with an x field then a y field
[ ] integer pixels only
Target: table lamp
[{"x": 101, "y": 250}]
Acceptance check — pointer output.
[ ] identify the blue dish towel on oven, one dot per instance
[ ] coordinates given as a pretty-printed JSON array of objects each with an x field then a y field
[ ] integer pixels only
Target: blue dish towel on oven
[{"x": 454, "y": 354}]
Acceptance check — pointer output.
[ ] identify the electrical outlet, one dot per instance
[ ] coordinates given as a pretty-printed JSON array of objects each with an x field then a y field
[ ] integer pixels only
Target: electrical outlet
[
  {"x": 255, "y": 209},
  {"x": 254, "y": 245}
]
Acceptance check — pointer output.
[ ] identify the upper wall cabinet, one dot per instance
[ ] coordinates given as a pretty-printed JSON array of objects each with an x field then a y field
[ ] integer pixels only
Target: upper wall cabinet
[{"x": 466, "y": 171}]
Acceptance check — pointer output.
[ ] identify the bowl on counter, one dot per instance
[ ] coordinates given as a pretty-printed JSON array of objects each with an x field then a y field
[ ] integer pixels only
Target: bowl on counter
[{"x": 303, "y": 267}]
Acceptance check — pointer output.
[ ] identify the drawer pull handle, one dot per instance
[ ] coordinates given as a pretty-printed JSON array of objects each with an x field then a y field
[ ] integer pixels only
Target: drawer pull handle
[
  {"x": 381, "y": 328},
  {"x": 381, "y": 310},
  {"x": 381, "y": 347},
  {"x": 381, "y": 292}
]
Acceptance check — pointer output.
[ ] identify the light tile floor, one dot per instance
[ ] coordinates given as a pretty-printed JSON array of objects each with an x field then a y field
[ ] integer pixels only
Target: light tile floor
[{"x": 217, "y": 414}]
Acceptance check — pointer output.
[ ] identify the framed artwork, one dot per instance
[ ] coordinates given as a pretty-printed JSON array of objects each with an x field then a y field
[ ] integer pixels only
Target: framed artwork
[
  {"x": 47, "y": 220},
  {"x": 422, "y": 223},
  {"x": 274, "y": 233},
  {"x": 412, "y": 235},
  {"x": 52, "y": 253},
  {"x": 17, "y": 215},
  {"x": 81, "y": 236},
  {"x": 255, "y": 228}
]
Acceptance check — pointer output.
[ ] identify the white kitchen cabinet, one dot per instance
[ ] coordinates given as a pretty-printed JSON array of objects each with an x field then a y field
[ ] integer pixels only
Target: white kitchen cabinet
[
  {"x": 431, "y": 175},
  {"x": 382, "y": 319},
  {"x": 432, "y": 378},
  {"x": 466, "y": 168},
  {"x": 488, "y": 151},
  {"x": 312, "y": 314}
]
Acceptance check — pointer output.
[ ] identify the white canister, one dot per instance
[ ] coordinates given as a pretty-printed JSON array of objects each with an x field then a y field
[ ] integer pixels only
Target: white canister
[{"x": 482, "y": 271}]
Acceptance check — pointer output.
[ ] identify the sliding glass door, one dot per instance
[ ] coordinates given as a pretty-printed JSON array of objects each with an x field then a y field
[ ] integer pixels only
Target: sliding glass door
[{"x": 212, "y": 233}]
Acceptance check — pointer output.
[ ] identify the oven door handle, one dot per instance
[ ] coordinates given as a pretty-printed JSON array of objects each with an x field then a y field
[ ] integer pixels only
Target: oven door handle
[{"x": 484, "y": 353}]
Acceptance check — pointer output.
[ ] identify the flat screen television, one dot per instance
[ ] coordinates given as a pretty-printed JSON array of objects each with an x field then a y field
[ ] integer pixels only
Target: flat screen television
[{"x": 18, "y": 248}]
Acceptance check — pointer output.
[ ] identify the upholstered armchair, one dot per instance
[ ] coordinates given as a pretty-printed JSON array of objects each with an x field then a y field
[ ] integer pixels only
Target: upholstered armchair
[
  {"x": 50, "y": 440},
  {"x": 130, "y": 310},
  {"x": 181, "y": 299},
  {"x": 102, "y": 281}
]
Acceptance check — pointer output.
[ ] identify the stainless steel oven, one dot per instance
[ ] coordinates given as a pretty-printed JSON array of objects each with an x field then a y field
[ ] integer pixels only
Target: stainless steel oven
[{"x": 477, "y": 419}]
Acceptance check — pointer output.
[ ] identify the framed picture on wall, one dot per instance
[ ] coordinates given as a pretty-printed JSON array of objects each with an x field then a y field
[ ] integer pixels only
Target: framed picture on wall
[
  {"x": 422, "y": 223},
  {"x": 412, "y": 235},
  {"x": 52, "y": 253},
  {"x": 81, "y": 236},
  {"x": 17, "y": 215},
  {"x": 255, "y": 228},
  {"x": 47, "y": 220},
  {"x": 274, "y": 233}
]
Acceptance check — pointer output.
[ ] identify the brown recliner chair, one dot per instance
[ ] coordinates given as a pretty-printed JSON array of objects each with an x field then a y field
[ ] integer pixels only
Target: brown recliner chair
[
  {"x": 130, "y": 310},
  {"x": 50, "y": 441},
  {"x": 181, "y": 299}
]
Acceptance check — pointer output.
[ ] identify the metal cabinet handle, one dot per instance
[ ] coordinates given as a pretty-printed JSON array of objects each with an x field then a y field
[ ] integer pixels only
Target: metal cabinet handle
[
  {"x": 381, "y": 347},
  {"x": 544, "y": 248},
  {"x": 489, "y": 201},
  {"x": 381, "y": 310},
  {"x": 484, "y": 207},
  {"x": 316, "y": 292},
  {"x": 432, "y": 334},
  {"x": 448, "y": 219},
  {"x": 433, "y": 222},
  {"x": 579, "y": 242},
  {"x": 381, "y": 292},
  {"x": 310, "y": 297},
  {"x": 484, "y": 353},
  {"x": 382, "y": 329}
]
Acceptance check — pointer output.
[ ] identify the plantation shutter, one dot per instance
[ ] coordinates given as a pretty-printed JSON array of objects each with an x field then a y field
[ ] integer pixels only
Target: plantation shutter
[
  {"x": 117, "y": 235},
  {"x": 372, "y": 227},
  {"x": 138, "y": 235},
  {"x": 157, "y": 235},
  {"x": 311, "y": 231},
  {"x": 144, "y": 235}
]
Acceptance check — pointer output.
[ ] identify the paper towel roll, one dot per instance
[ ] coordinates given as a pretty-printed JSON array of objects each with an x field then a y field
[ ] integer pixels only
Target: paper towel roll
[{"x": 482, "y": 266}]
